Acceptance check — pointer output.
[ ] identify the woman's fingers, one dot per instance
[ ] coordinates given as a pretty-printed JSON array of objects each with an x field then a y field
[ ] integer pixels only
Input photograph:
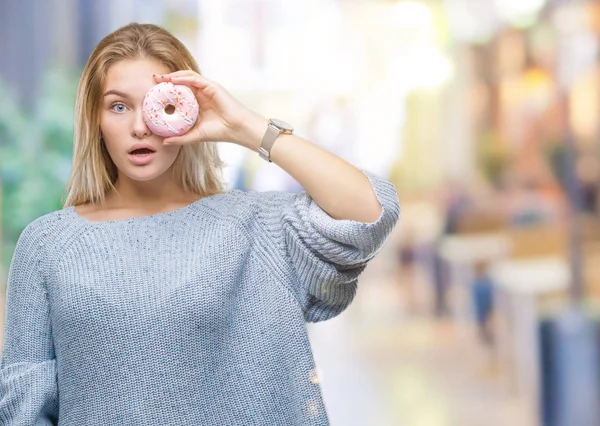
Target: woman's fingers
[
  {"x": 182, "y": 72},
  {"x": 165, "y": 77},
  {"x": 193, "y": 136},
  {"x": 185, "y": 77},
  {"x": 203, "y": 131},
  {"x": 195, "y": 81},
  {"x": 203, "y": 89}
]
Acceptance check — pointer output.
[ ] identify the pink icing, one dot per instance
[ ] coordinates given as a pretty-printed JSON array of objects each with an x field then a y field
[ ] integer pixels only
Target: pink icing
[{"x": 183, "y": 100}]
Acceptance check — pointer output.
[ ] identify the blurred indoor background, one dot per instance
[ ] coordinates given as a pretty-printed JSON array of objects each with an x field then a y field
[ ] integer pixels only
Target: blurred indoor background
[{"x": 482, "y": 307}]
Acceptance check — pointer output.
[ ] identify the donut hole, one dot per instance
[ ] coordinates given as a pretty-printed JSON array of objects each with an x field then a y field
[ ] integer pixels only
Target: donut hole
[{"x": 169, "y": 109}]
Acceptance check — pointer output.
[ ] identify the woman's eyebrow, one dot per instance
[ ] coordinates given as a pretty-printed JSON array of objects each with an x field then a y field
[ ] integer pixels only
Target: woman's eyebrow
[{"x": 116, "y": 92}]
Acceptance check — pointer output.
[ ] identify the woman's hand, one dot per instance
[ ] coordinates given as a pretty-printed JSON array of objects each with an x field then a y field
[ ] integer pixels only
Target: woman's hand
[
  {"x": 222, "y": 118},
  {"x": 339, "y": 188}
]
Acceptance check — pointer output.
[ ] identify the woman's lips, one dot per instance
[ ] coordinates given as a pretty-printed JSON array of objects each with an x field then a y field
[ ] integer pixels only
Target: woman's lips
[{"x": 141, "y": 159}]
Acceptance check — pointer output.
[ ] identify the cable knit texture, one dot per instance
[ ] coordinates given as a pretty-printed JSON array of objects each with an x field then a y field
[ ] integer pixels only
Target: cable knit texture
[{"x": 195, "y": 316}]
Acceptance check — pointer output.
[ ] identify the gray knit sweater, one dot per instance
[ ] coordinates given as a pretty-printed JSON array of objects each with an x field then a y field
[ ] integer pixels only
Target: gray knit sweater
[{"x": 195, "y": 316}]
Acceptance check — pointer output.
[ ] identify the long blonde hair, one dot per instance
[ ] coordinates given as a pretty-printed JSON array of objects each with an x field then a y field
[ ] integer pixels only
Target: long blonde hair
[{"x": 197, "y": 167}]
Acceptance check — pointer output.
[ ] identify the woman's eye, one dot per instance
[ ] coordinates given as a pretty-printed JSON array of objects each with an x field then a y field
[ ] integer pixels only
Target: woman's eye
[{"x": 118, "y": 107}]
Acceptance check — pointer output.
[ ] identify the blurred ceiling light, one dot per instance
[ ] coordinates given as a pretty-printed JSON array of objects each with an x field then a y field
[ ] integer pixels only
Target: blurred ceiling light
[
  {"x": 471, "y": 20},
  {"x": 318, "y": 53},
  {"x": 409, "y": 15},
  {"x": 293, "y": 46},
  {"x": 519, "y": 12},
  {"x": 420, "y": 67}
]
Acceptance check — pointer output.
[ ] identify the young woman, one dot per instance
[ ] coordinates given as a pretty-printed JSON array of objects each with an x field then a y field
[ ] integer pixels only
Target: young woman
[{"x": 154, "y": 297}]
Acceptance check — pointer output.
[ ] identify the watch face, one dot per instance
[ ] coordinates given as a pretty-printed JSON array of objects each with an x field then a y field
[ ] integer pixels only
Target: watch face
[{"x": 282, "y": 125}]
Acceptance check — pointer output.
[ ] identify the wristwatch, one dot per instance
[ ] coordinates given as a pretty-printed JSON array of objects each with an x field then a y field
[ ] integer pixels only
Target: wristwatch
[{"x": 274, "y": 129}]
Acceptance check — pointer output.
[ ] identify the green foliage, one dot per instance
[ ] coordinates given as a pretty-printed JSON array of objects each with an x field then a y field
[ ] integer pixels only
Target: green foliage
[{"x": 35, "y": 156}]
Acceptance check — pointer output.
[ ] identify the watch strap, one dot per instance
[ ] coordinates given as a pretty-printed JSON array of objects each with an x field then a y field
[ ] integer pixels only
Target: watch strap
[{"x": 267, "y": 142}]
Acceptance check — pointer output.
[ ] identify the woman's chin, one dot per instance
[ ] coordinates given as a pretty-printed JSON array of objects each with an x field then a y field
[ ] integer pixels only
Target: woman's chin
[{"x": 144, "y": 174}]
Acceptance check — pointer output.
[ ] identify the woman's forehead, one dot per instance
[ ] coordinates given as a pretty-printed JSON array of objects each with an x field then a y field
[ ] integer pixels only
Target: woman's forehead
[{"x": 133, "y": 77}]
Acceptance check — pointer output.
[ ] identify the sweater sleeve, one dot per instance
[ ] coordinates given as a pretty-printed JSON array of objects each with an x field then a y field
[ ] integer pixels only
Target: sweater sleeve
[
  {"x": 326, "y": 255},
  {"x": 28, "y": 389}
]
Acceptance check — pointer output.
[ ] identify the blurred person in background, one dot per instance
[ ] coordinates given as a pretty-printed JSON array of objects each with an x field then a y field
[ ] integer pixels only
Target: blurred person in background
[
  {"x": 455, "y": 203},
  {"x": 156, "y": 297},
  {"x": 482, "y": 295}
]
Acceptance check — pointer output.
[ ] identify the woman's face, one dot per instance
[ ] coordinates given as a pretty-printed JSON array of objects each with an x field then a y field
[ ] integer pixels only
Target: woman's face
[{"x": 122, "y": 124}]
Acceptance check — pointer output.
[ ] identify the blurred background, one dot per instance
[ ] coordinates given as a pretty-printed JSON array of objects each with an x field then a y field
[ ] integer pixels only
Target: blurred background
[{"x": 482, "y": 307}]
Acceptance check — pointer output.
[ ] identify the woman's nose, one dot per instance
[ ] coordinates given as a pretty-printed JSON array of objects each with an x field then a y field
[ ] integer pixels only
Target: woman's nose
[{"x": 140, "y": 129}]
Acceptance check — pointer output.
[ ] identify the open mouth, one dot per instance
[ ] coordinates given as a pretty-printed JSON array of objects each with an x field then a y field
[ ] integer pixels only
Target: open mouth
[{"x": 142, "y": 151}]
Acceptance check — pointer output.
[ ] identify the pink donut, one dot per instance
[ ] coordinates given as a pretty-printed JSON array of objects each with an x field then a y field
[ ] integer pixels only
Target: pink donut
[{"x": 170, "y": 110}]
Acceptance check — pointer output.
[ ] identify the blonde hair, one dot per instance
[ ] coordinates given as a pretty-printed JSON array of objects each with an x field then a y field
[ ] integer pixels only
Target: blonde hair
[{"x": 197, "y": 167}]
